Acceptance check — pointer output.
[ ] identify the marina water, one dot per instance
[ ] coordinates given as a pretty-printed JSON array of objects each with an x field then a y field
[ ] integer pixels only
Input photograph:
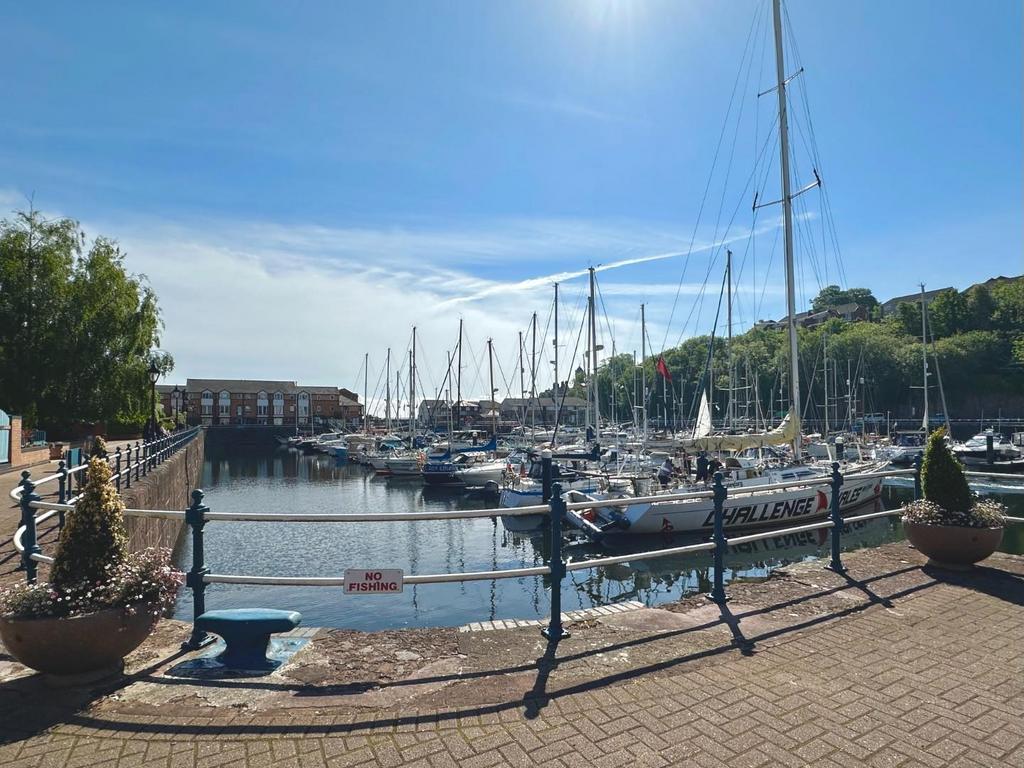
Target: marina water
[{"x": 270, "y": 480}]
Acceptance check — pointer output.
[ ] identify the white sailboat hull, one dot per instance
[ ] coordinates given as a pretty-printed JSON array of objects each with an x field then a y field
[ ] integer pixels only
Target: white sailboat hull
[{"x": 766, "y": 509}]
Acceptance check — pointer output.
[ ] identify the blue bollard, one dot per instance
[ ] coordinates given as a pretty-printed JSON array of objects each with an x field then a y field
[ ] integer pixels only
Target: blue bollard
[
  {"x": 837, "y": 519},
  {"x": 718, "y": 588},
  {"x": 28, "y": 520},
  {"x": 555, "y": 631},
  {"x": 917, "y": 477},
  {"x": 195, "y": 518}
]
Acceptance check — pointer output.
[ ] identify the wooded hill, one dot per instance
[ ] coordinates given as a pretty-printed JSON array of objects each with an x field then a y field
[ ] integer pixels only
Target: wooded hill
[{"x": 976, "y": 335}]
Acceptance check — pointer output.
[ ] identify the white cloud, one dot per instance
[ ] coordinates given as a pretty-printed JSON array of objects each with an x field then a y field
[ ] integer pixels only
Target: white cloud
[{"x": 270, "y": 300}]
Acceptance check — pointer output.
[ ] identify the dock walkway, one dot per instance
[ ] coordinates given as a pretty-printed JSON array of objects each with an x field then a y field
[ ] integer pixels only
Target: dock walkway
[{"x": 894, "y": 664}]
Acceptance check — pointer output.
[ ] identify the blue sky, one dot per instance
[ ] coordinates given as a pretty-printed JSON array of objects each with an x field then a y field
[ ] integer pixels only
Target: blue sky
[{"x": 303, "y": 182}]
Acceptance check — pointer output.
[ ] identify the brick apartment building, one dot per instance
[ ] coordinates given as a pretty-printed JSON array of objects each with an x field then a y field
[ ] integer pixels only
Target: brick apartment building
[{"x": 255, "y": 402}]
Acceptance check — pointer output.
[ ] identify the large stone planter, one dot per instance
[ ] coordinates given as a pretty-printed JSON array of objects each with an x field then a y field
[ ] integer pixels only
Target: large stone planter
[
  {"x": 953, "y": 546},
  {"x": 78, "y": 645}
]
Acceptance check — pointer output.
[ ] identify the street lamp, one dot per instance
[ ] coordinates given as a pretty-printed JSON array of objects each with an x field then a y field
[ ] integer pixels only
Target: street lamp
[
  {"x": 154, "y": 374},
  {"x": 175, "y": 401}
]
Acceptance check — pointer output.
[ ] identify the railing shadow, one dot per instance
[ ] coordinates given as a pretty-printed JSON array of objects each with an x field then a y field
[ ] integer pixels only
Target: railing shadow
[{"x": 533, "y": 702}]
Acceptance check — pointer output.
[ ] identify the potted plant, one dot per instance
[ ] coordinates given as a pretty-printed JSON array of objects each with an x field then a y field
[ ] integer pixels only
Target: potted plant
[
  {"x": 101, "y": 601},
  {"x": 950, "y": 525}
]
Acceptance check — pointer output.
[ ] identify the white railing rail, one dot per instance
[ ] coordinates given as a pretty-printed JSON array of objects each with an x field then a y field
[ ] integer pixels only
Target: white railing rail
[{"x": 557, "y": 510}]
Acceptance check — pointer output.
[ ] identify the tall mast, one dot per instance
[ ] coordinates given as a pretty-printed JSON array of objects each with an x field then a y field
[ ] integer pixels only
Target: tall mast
[
  {"x": 787, "y": 211},
  {"x": 458, "y": 382},
  {"x": 824, "y": 349},
  {"x": 412, "y": 388},
  {"x": 555, "y": 343},
  {"x": 522, "y": 370},
  {"x": 593, "y": 355},
  {"x": 490, "y": 397},
  {"x": 533, "y": 375},
  {"x": 732, "y": 385},
  {"x": 387, "y": 401},
  {"x": 924, "y": 357},
  {"x": 643, "y": 369},
  {"x": 366, "y": 393}
]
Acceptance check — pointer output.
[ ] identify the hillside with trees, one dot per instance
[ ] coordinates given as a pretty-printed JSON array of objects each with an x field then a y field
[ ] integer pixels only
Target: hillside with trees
[{"x": 976, "y": 335}]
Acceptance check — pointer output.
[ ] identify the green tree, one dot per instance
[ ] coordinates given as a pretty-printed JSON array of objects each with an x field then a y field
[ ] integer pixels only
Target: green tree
[
  {"x": 981, "y": 307},
  {"x": 833, "y": 296},
  {"x": 948, "y": 314},
  {"x": 77, "y": 330}
]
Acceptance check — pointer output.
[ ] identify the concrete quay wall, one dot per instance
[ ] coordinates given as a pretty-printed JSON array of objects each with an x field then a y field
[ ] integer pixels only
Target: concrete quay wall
[{"x": 168, "y": 486}]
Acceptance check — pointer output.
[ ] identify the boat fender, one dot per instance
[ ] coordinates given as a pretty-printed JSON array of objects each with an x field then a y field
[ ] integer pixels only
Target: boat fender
[{"x": 589, "y": 515}]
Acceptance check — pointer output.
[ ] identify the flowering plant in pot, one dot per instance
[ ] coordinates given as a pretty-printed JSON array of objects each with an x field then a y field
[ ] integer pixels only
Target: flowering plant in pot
[
  {"x": 950, "y": 525},
  {"x": 101, "y": 601}
]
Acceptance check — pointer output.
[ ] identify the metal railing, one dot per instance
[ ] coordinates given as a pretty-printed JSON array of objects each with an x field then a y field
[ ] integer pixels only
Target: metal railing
[
  {"x": 555, "y": 509},
  {"x": 138, "y": 460}
]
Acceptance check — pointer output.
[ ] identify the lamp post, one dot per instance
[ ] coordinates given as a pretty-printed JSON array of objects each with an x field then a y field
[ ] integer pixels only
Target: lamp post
[
  {"x": 175, "y": 401},
  {"x": 154, "y": 374}
]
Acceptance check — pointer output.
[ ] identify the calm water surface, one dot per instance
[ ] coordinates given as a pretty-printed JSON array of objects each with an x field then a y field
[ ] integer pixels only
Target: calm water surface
[{"x": 247, "y": 480}]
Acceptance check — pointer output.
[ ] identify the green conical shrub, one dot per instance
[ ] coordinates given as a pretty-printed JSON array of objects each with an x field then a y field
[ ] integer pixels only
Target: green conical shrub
[
  {"x": 942, "y": 476},
  {"x": 94, "y": 535}
]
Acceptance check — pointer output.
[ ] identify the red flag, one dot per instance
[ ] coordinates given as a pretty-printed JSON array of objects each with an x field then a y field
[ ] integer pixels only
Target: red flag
[{"x": 663, "y": 369}]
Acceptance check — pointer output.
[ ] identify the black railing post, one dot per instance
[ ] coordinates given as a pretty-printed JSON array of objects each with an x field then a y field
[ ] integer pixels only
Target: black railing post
[
  {"x": 545, "y": 476},
  {"x": 128, "y": 467},
  {"x": 138, "y": 459},
  {"x": 555, "y": 631},
  {"x": 117, "y": 468},
  {"x": 718, "y": 588},
  {"x": 195, "y": 518},
  {"x": 62, "y": 489},
  {"x": 837, "y": 519},
  {"x": 917, "y": 477},
  {"x": 30, "y": 546}
]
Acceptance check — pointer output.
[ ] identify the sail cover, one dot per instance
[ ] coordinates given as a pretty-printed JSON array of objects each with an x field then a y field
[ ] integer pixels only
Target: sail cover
[{"x": 783, "y": 434}]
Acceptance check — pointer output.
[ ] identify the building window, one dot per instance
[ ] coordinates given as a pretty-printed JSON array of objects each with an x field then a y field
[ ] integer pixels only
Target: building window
[
  {"x": 303, "y": 406},
  {"x": 278, "y": 404},
  {"x": 261, "y": 404},
  {"x": 207, "y": 403},
  {"x": 224, "y": 403}
]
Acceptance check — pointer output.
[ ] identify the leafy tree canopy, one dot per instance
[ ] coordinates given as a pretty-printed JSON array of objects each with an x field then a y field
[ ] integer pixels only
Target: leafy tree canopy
[
  {"x": 833, "y": 296},
  {"x": 77, "y": 330}
]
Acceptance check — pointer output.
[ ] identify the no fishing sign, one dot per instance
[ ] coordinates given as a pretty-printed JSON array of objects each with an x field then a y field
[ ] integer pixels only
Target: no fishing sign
[{"x": 364, "y": 581}]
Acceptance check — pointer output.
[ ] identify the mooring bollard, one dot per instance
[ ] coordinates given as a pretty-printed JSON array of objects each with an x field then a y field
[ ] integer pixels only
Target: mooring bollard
[
  {"x": 837, "y": 520},
  {"x": 545, "y": 475},
  {"x": 195, "y": 518},
  {"x": 28, "y": 520},
  {"x": 555, "y": 631},
  {"x": 917, "y": 477},
  {"x": 718, "y": 588}
]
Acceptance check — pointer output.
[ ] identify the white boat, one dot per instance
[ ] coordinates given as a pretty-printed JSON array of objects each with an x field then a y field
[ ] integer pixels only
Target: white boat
[
  {"x": 482, "y": 474},
  {"x": 745, "y": 507}
]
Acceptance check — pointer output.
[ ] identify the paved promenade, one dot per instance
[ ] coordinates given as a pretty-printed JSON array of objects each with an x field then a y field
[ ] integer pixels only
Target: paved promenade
[{"x": 894, "y": 665}]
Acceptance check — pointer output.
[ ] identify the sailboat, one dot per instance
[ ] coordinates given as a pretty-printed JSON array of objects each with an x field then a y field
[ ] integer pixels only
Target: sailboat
[{"x": 746, "y": 505}]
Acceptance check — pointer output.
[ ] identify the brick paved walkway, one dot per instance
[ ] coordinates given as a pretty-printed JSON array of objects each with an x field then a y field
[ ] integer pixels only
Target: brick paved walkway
[{"x": 897, "y": 666}]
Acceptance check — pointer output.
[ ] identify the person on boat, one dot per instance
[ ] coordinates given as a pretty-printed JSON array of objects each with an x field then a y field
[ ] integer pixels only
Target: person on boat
[
  {"x": 702, "y": 467},
  {"x": 714, "y": 465},
  {"x": 665, "y": 472},
  {"x": 687, "y": 464}
]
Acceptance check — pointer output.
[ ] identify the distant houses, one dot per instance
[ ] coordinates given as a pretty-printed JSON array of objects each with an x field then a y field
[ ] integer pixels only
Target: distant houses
[{"x": 890, "y": 306}]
